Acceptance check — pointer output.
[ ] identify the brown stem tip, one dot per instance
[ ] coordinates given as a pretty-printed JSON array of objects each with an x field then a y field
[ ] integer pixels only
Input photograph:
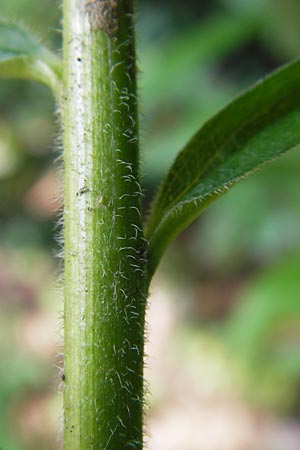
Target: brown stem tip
[{"x": 102, "y": 15}]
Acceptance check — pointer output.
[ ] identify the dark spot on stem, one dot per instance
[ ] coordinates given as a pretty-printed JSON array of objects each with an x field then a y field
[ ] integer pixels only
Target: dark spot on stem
[{"x": 82, "y": 190}]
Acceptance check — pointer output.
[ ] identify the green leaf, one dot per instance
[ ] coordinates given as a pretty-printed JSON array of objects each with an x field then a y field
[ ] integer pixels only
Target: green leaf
[
  {"x": 22, "y": 56},
  {"x": 255, "y": 128}
]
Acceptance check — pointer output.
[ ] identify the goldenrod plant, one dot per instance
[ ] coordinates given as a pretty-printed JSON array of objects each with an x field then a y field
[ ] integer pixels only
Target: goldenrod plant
[{"x": 110, "y": 253}]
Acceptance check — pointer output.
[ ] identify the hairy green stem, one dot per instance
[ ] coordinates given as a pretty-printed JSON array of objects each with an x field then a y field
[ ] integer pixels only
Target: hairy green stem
[{"x": 105, "y": 284}]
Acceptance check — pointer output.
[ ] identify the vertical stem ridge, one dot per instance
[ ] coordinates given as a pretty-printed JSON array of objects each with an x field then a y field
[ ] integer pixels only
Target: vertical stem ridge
[{"x": 105, "y": 285}]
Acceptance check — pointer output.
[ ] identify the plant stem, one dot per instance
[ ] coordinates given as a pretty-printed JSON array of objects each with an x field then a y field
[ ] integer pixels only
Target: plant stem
[{"x": 105, "y": 287}]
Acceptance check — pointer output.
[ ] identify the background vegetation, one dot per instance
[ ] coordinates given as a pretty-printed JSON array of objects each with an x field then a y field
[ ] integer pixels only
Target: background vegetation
[{"x": 225, "y": 313}]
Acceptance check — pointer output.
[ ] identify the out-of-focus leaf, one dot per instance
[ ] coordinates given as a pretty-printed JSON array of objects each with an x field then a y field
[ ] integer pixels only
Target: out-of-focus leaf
[
  {"x": 166, "y": 68},
  {"x": 161, "y": 141},
  {"x": 22, "y": 56},
  {"x": 246, "y": 6},
  {"x": 255, "y": 128},
  {"x": 267, "y": 317},
  {"x": 283, "y": 16}
]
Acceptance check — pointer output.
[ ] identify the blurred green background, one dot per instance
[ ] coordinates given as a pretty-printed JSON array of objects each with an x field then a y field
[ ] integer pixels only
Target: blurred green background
[{"x": 224, "y": 313}]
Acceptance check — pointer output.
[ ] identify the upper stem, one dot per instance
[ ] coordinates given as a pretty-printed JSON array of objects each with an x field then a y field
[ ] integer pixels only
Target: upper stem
[{"x": 105, "y": 287}]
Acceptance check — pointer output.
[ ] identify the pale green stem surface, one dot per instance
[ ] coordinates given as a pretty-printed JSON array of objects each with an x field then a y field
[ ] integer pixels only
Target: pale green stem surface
[{"x": 105, "y": 287}]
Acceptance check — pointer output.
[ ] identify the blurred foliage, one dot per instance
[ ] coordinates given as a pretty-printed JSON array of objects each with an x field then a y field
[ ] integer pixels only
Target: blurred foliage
[
  {"x": 193, "y": 57},
  {"x": 264, "y": 334}
]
